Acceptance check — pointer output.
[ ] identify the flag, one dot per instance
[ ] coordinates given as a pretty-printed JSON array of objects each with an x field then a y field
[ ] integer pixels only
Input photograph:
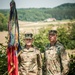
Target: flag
[{"x": 13, "y": 43}]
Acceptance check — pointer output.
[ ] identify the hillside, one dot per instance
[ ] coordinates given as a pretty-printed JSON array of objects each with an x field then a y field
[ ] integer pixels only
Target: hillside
[
  {"x": 64, "y": 11},
  {"x": 66, "y": 6}
]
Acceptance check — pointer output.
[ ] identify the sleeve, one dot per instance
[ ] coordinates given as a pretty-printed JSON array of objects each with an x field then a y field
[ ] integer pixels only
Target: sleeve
[
  {"x": 39, "y": 62},
  {"x": 65, "y": 61}
]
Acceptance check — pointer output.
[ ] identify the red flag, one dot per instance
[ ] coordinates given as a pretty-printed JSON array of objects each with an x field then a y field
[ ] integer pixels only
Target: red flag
[
  {"x": 13, "y": 44},
  {"x": 12, "y": 61}
]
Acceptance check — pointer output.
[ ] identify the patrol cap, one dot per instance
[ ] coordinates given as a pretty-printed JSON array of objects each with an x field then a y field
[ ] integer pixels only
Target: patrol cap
[
  {"x": 28, "y": 36},
  {"x": 52, "y": 32}
]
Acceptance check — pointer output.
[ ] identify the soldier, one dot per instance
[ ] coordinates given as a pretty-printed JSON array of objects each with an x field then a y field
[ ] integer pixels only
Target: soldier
[
  {"x": 30, "y": 58},
  {"x": 56, "y": 60}
]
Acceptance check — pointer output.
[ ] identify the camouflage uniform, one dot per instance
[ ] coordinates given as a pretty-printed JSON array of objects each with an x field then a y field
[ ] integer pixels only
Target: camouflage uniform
[
  {"x": 30, "y": 62},
  {"x": 56, "y": 62}
]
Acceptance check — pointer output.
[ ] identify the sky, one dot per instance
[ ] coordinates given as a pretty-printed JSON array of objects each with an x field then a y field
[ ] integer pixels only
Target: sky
[{"x": 4, "y": 4}]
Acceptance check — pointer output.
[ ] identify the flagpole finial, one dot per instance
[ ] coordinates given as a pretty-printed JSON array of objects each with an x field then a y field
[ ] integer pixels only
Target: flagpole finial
[
  {"x": 12, "y": 0},
  {"x": 12, "y": 3}
]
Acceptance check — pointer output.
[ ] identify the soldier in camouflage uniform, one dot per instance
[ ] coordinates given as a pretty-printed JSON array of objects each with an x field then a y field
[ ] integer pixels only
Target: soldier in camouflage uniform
[
  {"x": 56, "y": 60},
  {"x": 30, "y": 62}
]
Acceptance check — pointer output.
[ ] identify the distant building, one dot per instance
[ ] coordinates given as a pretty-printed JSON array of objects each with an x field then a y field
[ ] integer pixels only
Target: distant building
[{"x": 50, "y": 19}]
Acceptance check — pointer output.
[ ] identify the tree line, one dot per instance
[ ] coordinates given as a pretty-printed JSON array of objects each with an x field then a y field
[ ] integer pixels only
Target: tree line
[{"x": 64, "y": 11}]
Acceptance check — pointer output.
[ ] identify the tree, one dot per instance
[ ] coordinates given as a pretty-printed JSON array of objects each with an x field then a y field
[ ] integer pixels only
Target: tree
[
  {"x": 3, "y": 22},
  {"x": 41, "y": 39},
  {"x": 3, "y": 59}
]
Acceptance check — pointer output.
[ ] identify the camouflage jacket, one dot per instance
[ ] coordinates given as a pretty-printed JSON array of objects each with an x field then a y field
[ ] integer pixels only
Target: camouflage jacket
[
  {"x": 56, "y": 60},
  {"x": 30, "y": 62}
]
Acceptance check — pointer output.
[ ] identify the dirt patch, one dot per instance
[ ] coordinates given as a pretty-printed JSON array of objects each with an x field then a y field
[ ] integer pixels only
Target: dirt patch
[{"x": 2, "y": 37}]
